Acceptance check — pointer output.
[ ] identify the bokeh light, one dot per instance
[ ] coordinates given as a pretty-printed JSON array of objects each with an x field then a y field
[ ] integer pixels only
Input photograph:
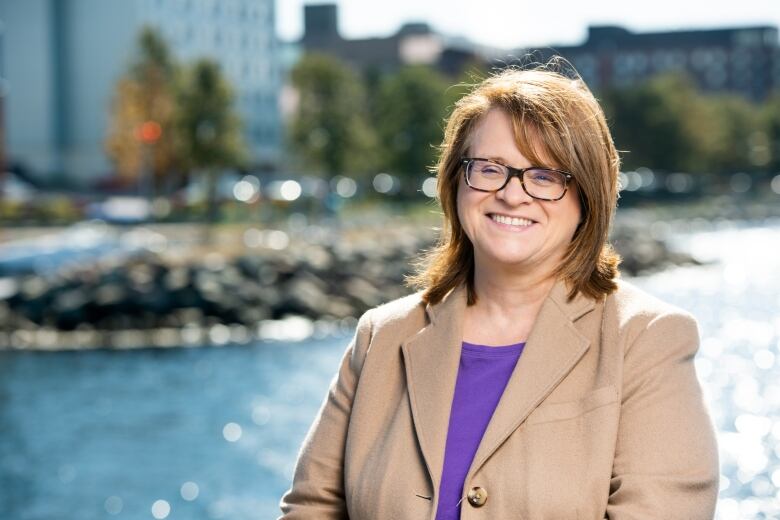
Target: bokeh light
[
  {"x": 345, "y": 187},
  {"x": 247, "y": 189},
  {"x": 740, "y": 182},
  {"x": 161, "y": 509},
  {"x": 113, "y": 505},
  {"x": 189, "y": 491},
  {"x": 679, "y": 182},
  {"x": 429, "y": 187},
  {"x": 384, "y": 183},
  {"x": 232, "y": 432},
  {"x": 290, "y": 190},
  {"x": 775, "y": 184}
]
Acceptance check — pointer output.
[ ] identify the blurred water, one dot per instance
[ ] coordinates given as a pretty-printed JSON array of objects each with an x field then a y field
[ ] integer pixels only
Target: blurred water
[
  {"x": 130, "y": 434},
  {"x": 83, "y": 242},
  {"x": 78, "y": 428}
]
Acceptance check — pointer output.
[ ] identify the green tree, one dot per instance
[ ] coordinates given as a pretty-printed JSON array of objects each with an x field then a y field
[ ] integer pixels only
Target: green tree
[
  {"x": 472, "y": 74},
  {"x": 329, "y": 132},
  {"x": 411, "y": 109},
  {"x": 771, "y": 124},
  {"x": 142, "y": 140},
  {"x": 654, "y": 123},
  {"x": 209, "y": 127},
  {"x": 728, "y": 130}
]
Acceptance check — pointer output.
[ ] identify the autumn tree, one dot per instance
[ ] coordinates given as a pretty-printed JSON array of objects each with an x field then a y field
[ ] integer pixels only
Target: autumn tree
[{"x": 142, "y": 141}]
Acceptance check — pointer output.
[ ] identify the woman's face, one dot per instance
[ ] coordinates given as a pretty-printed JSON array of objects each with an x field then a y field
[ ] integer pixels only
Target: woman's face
[{"x": 537, "y": 242}]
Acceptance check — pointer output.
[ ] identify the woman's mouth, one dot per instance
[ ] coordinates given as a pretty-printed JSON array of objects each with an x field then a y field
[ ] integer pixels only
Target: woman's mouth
[{"x": 507, "y": 222}]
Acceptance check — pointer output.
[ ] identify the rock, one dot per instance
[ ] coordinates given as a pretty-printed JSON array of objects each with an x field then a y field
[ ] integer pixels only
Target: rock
[{"x": 150, "y": 302}]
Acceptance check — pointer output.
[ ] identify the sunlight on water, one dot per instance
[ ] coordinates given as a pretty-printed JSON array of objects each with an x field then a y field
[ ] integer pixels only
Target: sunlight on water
[{"x": 189, "y": 491}]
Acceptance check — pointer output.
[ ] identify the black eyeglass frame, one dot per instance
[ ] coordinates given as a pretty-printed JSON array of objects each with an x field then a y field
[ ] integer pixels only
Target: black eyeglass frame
[{"x": 515, "y": 172}]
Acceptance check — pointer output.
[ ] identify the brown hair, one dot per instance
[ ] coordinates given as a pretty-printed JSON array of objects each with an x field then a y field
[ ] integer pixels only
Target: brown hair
[{"x": 555, "y": 117}]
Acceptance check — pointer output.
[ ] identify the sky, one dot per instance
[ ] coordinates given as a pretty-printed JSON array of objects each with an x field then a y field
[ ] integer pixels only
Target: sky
[{"x": 520, "y": 23}]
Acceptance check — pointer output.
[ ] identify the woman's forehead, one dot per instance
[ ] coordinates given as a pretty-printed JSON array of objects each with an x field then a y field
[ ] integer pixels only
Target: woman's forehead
[{"x": 499, "y": 135}]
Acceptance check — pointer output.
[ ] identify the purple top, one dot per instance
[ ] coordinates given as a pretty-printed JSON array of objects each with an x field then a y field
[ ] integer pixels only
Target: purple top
[{"x": 482, "y": 376}]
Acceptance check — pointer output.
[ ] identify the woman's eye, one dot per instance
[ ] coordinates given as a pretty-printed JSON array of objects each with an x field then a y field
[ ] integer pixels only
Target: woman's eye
[
  {"x": 544, "y": 177},
  {"x": 490, "y": 169}
]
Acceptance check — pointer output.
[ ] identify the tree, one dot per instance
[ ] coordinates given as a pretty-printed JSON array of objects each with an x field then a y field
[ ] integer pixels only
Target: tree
[
  {"x": 471, "y": 75},
  {"x": 771, "y": 124},
  {"x": 654, "y": 122},
  {"x": 726, "y": 129},
  {"x": 329, "y": 132},
  {"x": 210, "y": 129},
  {"x": 411, "y": 109},
  {"x": 142, "y": 141}
]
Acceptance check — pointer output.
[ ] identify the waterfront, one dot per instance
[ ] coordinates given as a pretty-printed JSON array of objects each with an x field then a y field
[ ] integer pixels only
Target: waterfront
[{"x": 213, "y": 431}]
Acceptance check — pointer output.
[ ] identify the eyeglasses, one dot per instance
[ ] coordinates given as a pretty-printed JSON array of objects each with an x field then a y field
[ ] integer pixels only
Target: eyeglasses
[{"x": 539, "y": 183}]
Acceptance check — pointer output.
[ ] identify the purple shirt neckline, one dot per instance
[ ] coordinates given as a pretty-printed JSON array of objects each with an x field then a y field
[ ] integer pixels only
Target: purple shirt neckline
[{"x": 490, "y": 349}]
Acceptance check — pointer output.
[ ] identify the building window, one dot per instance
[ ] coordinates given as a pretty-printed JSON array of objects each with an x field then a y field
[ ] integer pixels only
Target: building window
[
  {"x": 702, "y": 58},
  {"x": 668, "y": 60},
  {"x": 747, "y": 37},
  {"x": 715, "y": 77}
]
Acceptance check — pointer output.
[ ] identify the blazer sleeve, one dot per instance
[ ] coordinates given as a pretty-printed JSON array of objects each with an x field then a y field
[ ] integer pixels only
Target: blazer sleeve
[
  {"x": 317, "y": 489},
  {"x": 666, "y": 459}
]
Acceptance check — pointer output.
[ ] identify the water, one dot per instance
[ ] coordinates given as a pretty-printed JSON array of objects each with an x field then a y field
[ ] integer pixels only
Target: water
[
  {"x": 73, "y": 246},
  {"x": 78, "y": 428},
  {"x": 130, "y": 434}
]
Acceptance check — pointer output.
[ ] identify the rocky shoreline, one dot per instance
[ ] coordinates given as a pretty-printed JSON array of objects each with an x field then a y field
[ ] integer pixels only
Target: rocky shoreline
[{"x": 314, "y": 286}]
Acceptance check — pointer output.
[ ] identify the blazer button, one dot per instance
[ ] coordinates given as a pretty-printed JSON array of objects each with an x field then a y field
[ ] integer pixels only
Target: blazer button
[{"x": 477, "y": 496}]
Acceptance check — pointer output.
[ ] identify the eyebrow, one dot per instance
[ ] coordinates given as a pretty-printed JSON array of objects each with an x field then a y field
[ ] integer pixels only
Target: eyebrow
[
  {"x": 495, "y": 158},
  {"x": 501, "y": 160}
]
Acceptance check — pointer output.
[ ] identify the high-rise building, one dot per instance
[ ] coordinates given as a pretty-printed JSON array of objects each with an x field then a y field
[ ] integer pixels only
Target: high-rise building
[{"x": 62, "y": 59}]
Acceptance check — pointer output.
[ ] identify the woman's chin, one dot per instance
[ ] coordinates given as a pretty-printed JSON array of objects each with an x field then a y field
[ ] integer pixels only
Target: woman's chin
[{"x": 514, "y": 259}]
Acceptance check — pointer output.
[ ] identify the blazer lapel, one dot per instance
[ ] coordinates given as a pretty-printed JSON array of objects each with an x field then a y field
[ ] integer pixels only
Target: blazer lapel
[
  {"x": 551, "y": 351},
  {"x": 431, "y": 359}
]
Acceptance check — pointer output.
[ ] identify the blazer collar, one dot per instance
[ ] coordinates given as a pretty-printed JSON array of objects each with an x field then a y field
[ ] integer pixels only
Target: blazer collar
[{"x": 432, "y": 358}]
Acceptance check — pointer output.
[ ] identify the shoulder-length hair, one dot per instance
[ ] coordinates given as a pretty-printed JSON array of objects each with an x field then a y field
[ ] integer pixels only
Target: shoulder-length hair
[{"x": 555, "y": 119}]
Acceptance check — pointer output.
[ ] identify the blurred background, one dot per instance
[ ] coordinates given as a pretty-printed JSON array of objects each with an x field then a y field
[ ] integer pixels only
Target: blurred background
[{"x": 199, "y": 197}]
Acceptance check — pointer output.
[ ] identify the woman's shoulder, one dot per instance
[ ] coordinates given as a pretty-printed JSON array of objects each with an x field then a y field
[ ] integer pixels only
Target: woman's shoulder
[
  {"x": 409, "y": 309},
  {"x": 634, "y": 307}
]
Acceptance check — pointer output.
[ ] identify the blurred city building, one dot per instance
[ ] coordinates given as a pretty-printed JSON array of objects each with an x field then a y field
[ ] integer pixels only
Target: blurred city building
[
  {"x": 743, "y": 60},
  {"x": 62, "y": 58},
  {"x": 413, "y": 44}
]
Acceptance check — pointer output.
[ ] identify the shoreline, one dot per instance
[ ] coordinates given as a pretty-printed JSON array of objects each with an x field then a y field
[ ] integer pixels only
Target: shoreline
[{"x": 166, "y": 295}]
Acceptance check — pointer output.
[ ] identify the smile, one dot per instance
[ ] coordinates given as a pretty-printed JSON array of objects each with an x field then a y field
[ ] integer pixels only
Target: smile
[{"x": 512, "y": 222}]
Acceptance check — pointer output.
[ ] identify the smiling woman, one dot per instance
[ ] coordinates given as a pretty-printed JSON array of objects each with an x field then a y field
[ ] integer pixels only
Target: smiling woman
[
  {"x": 525, "y": 379},
  {"x": 492, "y": 218}
]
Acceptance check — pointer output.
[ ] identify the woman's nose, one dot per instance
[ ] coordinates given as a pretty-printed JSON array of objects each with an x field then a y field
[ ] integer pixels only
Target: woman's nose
[{"x": 513, "y": 193}]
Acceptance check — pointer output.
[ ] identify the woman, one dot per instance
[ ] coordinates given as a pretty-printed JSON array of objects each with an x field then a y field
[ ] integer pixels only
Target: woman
[{"x": 525, "y": 380}]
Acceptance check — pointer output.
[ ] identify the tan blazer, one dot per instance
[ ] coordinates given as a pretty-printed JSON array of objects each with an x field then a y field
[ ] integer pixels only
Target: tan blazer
[{"x": 602, "y": 417}]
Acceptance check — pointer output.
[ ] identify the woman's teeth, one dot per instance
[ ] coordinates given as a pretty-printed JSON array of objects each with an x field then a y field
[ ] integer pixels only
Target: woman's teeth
[{"x": 512, "y": 221}]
